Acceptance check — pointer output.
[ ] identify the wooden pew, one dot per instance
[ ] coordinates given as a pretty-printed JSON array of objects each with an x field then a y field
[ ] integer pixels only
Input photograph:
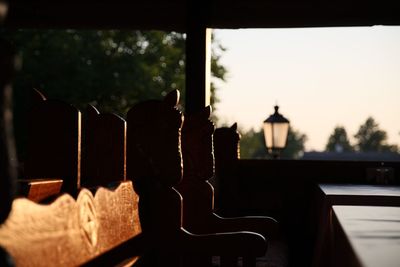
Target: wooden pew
[
  {"x": 154, "y": 163},
  {"x": 73, "y": 228},
  {"x": 198, "y": 194},
  {"x": 70, "y": 231}
]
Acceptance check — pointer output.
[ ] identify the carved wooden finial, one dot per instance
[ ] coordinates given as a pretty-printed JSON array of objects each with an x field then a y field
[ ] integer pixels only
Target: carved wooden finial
[
  {"x": 172, "y": 98},
  {"x": 207, "y": 112},
  {"x": 234, "y": 126},
  {"x": 91, "y": 111},
  {"x": 37, "y": 97}
]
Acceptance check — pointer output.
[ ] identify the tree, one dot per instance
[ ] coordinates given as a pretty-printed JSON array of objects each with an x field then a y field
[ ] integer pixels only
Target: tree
[
  {"x": 370, "y": 138},
  {"x": 252, "y": 145},
  {"x": 295, "y": 144},
  {"x": 112, "y": 69},
  {"x": 338, "y": 141}
]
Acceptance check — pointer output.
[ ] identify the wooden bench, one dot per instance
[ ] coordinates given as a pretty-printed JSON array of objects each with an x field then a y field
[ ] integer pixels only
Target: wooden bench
[
  {"x": 198, "y": 194},
  {"x": 155, "y": 164},
  {"x": 79, "y": 224},
  {"x": 96, "y": 223},
  {"x": 99, "y": 225}
]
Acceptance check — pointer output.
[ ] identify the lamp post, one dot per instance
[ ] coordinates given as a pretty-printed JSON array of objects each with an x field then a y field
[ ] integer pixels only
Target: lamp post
[{"x": 276, "y": 128}]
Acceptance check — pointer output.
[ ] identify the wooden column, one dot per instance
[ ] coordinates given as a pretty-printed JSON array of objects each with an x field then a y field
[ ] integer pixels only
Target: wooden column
[
  {"x": 198, "y": 58},
  {"x": 8, "y": 156}
]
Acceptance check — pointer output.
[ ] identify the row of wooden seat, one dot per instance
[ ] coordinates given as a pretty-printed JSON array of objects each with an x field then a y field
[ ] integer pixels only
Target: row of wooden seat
[
  {"x": 84, "y": 208},
  {"x": 154, "y": 163}
]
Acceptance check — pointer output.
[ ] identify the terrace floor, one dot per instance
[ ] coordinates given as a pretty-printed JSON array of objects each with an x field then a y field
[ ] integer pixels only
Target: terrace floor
[{"x": 276, "y": 256}]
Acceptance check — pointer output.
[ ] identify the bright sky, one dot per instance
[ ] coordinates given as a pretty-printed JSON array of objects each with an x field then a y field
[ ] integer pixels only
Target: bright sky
[{"x": 320, "y": 78}]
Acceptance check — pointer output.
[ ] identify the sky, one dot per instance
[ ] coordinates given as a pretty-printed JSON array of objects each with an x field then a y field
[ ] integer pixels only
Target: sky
[{"x": 319, "y": 77}]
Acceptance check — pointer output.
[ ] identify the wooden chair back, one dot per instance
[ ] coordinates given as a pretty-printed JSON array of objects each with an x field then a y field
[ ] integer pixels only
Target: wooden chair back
[
  {"x": 227, "y": 153},
  {"x": 198, "y": 162},
  {"x": 154, "y": 160},
  {"x": 198, "y": 194},
  {"x": 155, "y": 165},
  {"x": 103, "y": 148},
  {"x": 54, "y": 143}
]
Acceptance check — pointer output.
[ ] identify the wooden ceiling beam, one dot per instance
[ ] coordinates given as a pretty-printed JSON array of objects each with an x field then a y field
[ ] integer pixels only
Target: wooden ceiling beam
[{"x": 172, "y": 15}]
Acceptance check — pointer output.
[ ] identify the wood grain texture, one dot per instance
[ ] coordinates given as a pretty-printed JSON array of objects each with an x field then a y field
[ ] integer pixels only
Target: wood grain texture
[
  {"x": 54, "y": 143},
  {"x": 69, "y": 232},
  {"x": 103, "y": 149}
]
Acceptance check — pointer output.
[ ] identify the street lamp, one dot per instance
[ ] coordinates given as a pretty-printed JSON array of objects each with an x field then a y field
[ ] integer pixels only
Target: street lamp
[{"x": 276, "y": 128}]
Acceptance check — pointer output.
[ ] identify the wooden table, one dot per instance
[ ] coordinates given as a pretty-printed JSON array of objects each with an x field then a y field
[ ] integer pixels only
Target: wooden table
[
  {"x": 367, "y": 236},
  {"x": 351, "y": 194},
  {"x": 345, "y": 194}
]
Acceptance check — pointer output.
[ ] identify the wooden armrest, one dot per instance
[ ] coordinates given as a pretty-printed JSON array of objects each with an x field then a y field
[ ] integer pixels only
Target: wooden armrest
[
  {"x": 39, "y": 189},
  {"x": 223, "y": 244},
  {"x": 266, "y": 226},
  {"x": 122, "y": 254}
]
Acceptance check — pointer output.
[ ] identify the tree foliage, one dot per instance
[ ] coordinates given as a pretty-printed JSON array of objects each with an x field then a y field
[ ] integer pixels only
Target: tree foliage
[
  {"x": 252, "y": 145},
  {"x": 338, "y": 141},
  {"x": 111, "y": 69},
  {"x": 295, "y": 145},
  {"x": 370, "y": 138}
]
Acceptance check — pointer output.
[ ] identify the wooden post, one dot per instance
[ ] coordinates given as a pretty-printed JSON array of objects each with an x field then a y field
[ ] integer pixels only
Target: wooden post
[
  {"x": 198, "y": 58},
  {"x": 8, "y": 156}
]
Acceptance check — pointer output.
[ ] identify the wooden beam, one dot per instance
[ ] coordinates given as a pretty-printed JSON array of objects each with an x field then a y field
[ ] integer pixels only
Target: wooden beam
[
  {"x": 198, "y": 69},
  {"x": 173, "y": 15},
  {"x": 198, "y": 56}
]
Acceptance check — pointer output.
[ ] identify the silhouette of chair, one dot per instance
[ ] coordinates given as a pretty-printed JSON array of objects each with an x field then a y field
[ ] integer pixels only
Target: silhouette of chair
[
  {"x": 154, "y": 164},
  {"x": 198, "y": 194},
  {"x": 103, "y": 148}
]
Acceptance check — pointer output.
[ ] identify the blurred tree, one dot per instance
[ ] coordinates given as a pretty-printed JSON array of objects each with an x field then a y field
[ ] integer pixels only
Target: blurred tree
[
  {"x": 218, "y": 72},
  {"x": 295, "y": 145},
  {"x": 252, "y": 145},
  {"x": 111, "y": 69},
  {"x": 370, "y": 138},
  {"x": 338, "y": 141}
]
